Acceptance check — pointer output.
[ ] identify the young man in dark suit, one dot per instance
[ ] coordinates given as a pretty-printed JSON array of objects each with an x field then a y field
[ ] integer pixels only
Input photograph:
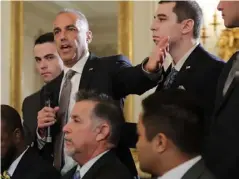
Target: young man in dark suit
[
  {"x": 221, "y": 151},
  {"x": 91, "y": 136},
  {"x": 111, "y": 75},
  {"x": 17, "y": 159},
  {"x": 193, "y": 69},
  {"x": 49, "y": 65},
  {"x": 170, "y": 136}
]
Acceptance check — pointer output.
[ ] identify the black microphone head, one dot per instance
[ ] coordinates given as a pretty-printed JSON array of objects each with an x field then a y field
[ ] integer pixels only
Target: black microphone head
[{"x": 47, "y": 97}]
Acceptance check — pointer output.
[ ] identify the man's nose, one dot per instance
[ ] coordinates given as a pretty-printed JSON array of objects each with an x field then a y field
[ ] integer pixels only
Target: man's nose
[
  {"x": 153, "y": 26},
  {"x": 63, "y": 35},
  {"x": 43, "y": 64},
  {"x": 66, "y": 129}
]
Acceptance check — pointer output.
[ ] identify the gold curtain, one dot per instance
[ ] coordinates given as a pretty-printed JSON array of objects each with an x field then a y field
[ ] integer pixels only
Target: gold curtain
[
  {"x": 17, "y": 27},
  {"x": 125, "y": 45}
]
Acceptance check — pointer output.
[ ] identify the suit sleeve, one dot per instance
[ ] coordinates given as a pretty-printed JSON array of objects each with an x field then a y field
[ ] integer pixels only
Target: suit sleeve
[
  {"x": 130, "y": 80},
  {"x": 51, "y": 173},
  {"x": 26, "y": 123}
]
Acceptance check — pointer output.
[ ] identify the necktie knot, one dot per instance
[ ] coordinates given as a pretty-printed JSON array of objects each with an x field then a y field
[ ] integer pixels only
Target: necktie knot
[
  {"x": 69, "y": 74},
  {"x": 77, "y": 175},
  {"x": 170, "y": 78},
  {"x": 174, "y": 71}
]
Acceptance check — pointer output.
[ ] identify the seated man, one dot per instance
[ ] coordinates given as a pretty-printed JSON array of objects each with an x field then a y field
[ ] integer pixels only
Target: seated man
[
  {"x": 90, "y": 136},
  {"x": 170, "y": 136},
  {"x": 18, "y": 161}
]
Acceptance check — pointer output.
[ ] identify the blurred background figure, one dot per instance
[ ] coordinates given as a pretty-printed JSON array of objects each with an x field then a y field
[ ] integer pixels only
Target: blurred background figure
[
  {"x": 17, "y": 159},
  {"x": 222, "y": 148}
]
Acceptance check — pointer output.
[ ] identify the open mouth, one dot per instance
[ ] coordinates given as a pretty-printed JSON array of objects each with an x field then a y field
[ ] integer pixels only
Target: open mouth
[
  {"x": 65, "y": 48},
  {"x": 155, "y": 39},
  {"x": 46, "y": 74}
]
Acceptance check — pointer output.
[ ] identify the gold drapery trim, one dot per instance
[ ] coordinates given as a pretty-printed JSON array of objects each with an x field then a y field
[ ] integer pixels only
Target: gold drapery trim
[
  {"x": 228, "y": 43},
  {"x": 16, "y": 55},
  {"x": 125, "y": 45}
]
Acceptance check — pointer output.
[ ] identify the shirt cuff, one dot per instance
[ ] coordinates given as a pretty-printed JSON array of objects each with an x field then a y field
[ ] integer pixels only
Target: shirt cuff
[
  {"x": 157, "y": 76},
  {"x": 41, "y": 141}
]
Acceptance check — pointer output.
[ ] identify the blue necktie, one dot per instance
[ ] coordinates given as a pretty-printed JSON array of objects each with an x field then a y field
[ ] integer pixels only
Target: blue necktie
[
  {"x": 170, "y": 78},
  {"x": 77, "y": 175}
]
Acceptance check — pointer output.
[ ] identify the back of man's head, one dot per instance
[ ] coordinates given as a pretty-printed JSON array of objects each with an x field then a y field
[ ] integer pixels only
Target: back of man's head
[
  {"x": 11, "y": 135},
  {"x": 11, "y": 118},
  {"x": 189, "y": 9}
]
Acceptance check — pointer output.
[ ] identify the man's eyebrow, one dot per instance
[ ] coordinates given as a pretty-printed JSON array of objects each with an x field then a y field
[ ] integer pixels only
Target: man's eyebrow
[
  {"x": 161, "y": 15},
  {"x": 71, "y": 25},
  {"x": 49, "y": 55}
]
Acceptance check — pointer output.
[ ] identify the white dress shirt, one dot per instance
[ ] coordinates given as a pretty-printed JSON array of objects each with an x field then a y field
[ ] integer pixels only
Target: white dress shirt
[
  {"x": 75, "y": 81},
  {"x": 179, "y": 171},
  {"x": 180, "y": 63},
  {"x": 84, "y": 169},
  {"x": 14, "y": 165}
]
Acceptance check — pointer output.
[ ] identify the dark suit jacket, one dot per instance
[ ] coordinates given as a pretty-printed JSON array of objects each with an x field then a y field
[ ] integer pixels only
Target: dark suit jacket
[
  {"x": 107, "y": 167},
  {"x": 32, "y": 166},
  {"x": 199, "y": 75},
  {"x": 30, "y": 107},
  {"x": 222, "y": 146},
  {"x": 198, "y": 171},
  {"x": 113, "y": 76}
]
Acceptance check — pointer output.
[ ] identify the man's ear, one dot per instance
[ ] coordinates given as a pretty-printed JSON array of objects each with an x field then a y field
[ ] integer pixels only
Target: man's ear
[
  {"x": 160, "y": 143},
  {"x": 187, "y": 26},
  {"x": 103, "y": 132},
  {"x": 17, "y": 134},
  {"x": 89, "y": 36}
]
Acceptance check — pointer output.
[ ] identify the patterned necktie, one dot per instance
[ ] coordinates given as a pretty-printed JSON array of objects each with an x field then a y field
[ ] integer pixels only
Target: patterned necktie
[
  {"x": 62, "y": 117},
  {"x": 170, "y": 78},
  {"x": 231, "y": 75},
  {"x": 77, "y": 175},
  {"x": 5, "y": 175}
]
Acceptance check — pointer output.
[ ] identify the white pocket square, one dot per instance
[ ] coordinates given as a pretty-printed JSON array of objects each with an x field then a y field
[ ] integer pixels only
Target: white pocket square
[{"x": 181, "y": 87}]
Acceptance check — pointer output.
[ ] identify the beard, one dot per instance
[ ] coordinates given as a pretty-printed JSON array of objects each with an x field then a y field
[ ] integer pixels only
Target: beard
[
  {"x": 7, "y": 160},
  {"x": 70, "y": 151}
]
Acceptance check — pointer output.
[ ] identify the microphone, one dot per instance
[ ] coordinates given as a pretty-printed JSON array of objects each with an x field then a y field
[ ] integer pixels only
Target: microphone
[{"x": 48, "y": 104}]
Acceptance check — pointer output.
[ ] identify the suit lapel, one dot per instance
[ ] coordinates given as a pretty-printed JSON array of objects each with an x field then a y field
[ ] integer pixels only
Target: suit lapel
[
  {"x": 70, "y": 174},
  {"x": 188, "y": 67},
  {"x": 53, "y": 88},
  {"x": 195, "y": 171},
  {"x": 91, "y": 173},
  {"x": 224, "y": 75},
  {"x": 24, "y": 165},
  {"x": 182, "y": 75},
  {"x": 88, "y": 70}
]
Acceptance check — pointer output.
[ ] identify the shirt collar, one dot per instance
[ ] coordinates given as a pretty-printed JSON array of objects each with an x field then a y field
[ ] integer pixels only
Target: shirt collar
[
  {"x": 78, "y": 67},
  {"x": 180, "y": 63},
  {"x": 84, "y": 169},
  {"x": 13, "y": 166},
  {"x": 179, "y": 171}
]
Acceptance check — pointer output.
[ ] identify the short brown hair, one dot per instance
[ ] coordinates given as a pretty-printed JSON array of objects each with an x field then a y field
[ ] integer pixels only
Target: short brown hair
[{"x": 188, "y": 10}]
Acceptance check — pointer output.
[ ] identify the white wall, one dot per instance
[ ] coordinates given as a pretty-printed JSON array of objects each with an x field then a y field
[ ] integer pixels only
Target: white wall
[
  {"x": 33, "y": 24},
  {"x": 5, "y": 51},
  {"x": 143, "y": 44}
]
